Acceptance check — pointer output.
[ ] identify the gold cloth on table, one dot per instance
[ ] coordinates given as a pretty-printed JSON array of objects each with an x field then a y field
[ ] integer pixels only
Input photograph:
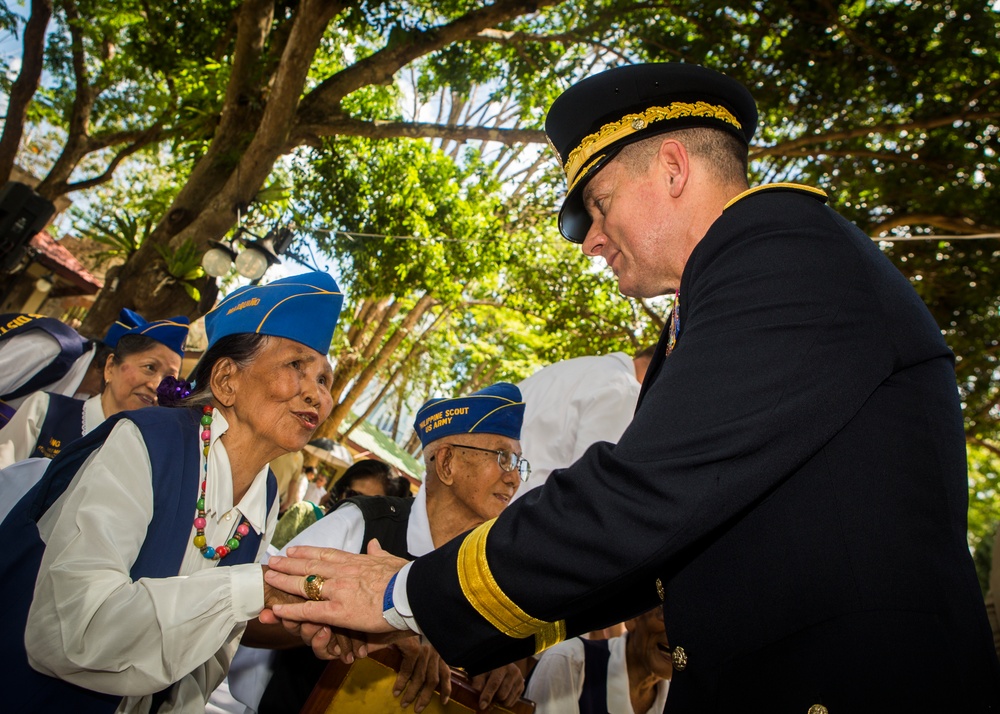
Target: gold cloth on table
[{"x": 366, "y": 686}]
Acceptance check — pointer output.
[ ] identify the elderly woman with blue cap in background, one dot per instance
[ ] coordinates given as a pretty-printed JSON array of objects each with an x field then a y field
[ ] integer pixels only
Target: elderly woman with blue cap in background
[
  {"x": 141, "y": 354},
  {"x": 126, "y": 530}
]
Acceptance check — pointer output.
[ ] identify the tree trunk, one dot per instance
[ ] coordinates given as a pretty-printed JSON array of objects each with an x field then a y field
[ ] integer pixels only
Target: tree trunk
[
  {"x": 144, "y": 285},
  {"x": 24, "y": 86},
  {"x": 331, "y": 426}
]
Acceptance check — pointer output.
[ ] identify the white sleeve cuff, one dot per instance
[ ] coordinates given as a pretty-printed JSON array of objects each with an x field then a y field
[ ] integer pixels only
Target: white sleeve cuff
[
  {"x": 401, "y": 603},
  {"x": 247, "y": 583}
]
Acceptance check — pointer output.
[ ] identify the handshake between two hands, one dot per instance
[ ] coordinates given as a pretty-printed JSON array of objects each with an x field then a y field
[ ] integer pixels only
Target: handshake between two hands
[
  {"x": 344, "y": 617},
  {"x": 344, "y": 620}
]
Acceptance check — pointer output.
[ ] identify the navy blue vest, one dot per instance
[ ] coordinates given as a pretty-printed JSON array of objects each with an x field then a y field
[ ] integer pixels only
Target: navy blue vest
[
  {"x": 71, "y": 346},
  {"x": 63, "y": 423},
  {"x": 171, "y": 437}
]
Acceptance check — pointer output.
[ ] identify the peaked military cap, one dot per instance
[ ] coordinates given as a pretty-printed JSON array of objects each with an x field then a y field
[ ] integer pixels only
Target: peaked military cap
[
  {"x": 590, "y": 122},
  {"x": 172, "y": 332},
  {"x": 497, "y": 409},
  {"x": 304, "y": 308}
]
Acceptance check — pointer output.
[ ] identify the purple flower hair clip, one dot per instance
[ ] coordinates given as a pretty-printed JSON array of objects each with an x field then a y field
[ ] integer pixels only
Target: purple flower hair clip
[{"x": 171, "y": 391}]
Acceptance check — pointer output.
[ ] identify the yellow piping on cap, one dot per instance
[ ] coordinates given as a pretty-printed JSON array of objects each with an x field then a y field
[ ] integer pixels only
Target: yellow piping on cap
[
  {"x": 632, "y": 123},
  {"x": 492, "y": 412},
  {"x": 277, "y": 304}
]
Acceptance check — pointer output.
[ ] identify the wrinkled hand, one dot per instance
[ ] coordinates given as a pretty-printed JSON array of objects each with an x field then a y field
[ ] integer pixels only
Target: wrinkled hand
[
  {"x": 352, "y": 599},
  {"x": 421, "y": 672},
  {"x": 504, "y": 685},
  {"x": 332, "y": 643},
  {"x": 274, "y": 596}
]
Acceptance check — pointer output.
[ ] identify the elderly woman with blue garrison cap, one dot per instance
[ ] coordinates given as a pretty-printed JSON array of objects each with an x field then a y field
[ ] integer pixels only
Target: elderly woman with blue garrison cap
[
  {"x": 127, "y": 530},
  {"x": 142, "y": 354}
]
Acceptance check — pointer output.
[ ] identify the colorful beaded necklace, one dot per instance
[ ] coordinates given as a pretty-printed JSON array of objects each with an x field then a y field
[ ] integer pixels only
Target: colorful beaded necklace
[{"x": 221, "y": 551}]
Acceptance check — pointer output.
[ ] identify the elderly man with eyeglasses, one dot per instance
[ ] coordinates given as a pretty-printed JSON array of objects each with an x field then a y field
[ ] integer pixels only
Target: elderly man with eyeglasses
[{"x": 472, "y": 453}]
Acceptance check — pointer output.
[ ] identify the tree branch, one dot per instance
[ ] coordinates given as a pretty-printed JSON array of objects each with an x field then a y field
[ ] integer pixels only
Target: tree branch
[
  {"x": 813, "y": 140},
  {"x": 348, "y": 126},
  {"x": 950, "y": 223},
  {"x": 145, "y": 139},
  {"x": 378, "y": 68},
  {"x": 79, "y": 121}
]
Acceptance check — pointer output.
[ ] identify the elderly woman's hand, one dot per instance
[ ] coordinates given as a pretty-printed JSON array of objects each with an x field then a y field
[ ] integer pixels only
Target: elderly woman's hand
[
  {"x": 421, "y": 672},
  {"x": 274, "y": 596},
  {"x": 503, "y": 685}
]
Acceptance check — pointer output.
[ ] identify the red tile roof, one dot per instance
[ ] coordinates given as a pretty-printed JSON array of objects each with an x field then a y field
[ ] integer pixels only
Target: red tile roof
[{"x": 53, "y": 256}]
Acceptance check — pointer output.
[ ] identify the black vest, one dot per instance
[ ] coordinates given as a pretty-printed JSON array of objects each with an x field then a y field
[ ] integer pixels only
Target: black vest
[{"x": 594, "y": 697}]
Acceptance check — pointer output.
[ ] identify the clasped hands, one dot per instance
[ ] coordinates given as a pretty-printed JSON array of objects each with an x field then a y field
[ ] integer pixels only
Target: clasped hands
[{"x": 346, "y": 622}]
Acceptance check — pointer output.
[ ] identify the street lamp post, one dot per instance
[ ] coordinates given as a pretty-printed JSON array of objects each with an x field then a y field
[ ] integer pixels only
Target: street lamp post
[{"x": 253, "y": 261}]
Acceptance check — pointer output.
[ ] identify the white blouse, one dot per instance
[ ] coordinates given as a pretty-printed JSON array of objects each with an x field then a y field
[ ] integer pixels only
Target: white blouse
[{"x": 89, "y": 624}]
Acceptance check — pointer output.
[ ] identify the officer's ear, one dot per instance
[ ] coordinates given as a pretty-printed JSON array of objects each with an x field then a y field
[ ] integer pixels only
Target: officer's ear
[{"x": 675, "y": 162}]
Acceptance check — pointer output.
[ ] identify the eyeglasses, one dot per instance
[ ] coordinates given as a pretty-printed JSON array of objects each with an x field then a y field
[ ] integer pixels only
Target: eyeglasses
[{"x": 508, "y": 460}]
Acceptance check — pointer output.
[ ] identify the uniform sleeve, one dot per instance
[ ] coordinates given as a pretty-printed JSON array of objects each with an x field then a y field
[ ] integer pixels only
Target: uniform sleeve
[
  {"x": 91, "y": 625},
  {"x": 784, "y": 336},
  {"x": 20, "y": 435},
  {"x": 556, "y": 682}
]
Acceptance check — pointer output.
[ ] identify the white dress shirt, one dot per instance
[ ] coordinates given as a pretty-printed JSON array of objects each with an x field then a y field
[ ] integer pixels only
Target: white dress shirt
[
  {"x": 91, "y": 625},
  {"x": 572, "y": 404},
  {"x": 313, "y": 493},
  {"x": 557, "y": 680}
]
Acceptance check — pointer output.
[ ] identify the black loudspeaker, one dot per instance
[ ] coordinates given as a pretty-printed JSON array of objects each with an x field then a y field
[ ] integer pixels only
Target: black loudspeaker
[{"x": 23, "y": 213}]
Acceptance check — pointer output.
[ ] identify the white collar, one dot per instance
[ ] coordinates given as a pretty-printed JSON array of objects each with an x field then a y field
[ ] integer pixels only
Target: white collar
[
  {"x": 619, "y": 698},
  {"x": 418, "y": 526},
  {"x": 219, "y": 489},
  {"x": 93, "y": 414}
]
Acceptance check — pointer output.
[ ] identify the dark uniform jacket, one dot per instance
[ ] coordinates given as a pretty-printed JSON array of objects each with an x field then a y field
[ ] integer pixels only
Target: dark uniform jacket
[{"x": 794, "y": 478}]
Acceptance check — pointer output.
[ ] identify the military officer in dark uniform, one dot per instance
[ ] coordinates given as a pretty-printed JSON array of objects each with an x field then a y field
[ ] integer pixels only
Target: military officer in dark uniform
[{"x": 793, "y": 485}]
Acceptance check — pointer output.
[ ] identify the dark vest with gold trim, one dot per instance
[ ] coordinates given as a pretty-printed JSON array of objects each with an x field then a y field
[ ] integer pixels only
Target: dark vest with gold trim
[
  {"x": 63, "y": 424},
  {"x": 71, "y": 346},
  {"x": 171, "y": 438}
]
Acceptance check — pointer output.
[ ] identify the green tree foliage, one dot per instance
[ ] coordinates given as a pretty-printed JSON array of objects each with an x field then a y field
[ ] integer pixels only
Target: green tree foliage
[{"x": 421, "y": 120}]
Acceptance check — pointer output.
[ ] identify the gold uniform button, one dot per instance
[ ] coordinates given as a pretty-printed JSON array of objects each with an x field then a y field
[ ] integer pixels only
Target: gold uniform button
[
  {"x": 680, "y": 658},
  {"x": 818, "y": 709}
]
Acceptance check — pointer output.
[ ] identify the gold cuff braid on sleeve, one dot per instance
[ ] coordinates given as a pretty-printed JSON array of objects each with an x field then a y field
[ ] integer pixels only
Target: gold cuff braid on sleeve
[{"x": 485, "y": 595}]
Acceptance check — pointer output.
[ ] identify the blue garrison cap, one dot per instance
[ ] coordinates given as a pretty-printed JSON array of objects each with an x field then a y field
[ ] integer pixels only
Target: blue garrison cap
[
  {"x": 171, "y": 332},
  {"x": 593, "y": 120},
  {"x": 497, "y": 409},
  {"x": 303, "y": 308}
]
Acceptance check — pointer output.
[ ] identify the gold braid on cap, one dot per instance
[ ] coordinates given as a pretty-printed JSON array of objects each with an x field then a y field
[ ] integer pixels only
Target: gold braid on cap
[
  {"x": 631, "y": 123},
  {"x": 485, "y": 595}
]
